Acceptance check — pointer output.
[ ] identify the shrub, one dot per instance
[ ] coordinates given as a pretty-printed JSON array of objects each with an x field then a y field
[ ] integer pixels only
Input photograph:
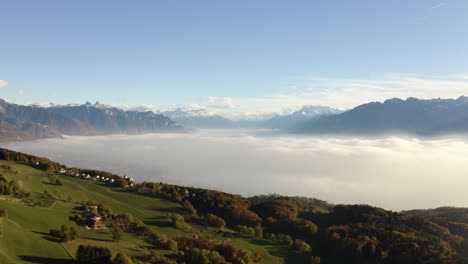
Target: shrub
[
  {"x": 314, "y": 260},
  {"x": 215, "y": 221},
  {"x": 178, "y": 221},
  {"x": 93, "y": 255},
  {"x": 117, "y": 232},
  {"x": 105, "y": 211},
  {"x": 301, "y": 246},
  {"x": 259, "y": 231},
  {"x": 281, "y": 239},
  {"x": 228, "y": 251},
  {"x": 155, "y": 257},
  {"x": 250, "y": 231},
  {"x": 125, "y": 222},
  {"x": 121, "y": 258},
  {"x": 299, "y": 227},
  {"x": 3, "y": 212},
  {"x": 58, "y": 182},
  {"x": 189, "y": 208},
  {"x": 65, "y": 233},
  {"x": 244, "y": 216},
  {"x": 171, "y": 245},
  {"x": 202, "y": 256}
]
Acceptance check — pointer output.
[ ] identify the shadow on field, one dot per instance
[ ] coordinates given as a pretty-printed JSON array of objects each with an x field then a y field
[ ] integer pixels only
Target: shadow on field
[
  {"x": 289, "y": 257},
  {"x": 158, "y": 221},
  {"x": 47, "y": 236},
  {"x": 48, "y": 183},
  {"x": 170, "y": 210},
  {"x": 43, "y": 260},
  {"x": 261, "y": 242},
  {"x": 97, "y": 239}
]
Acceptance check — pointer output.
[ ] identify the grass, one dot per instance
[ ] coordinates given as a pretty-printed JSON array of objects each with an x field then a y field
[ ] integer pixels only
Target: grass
[{"x": 24, "y": 233}]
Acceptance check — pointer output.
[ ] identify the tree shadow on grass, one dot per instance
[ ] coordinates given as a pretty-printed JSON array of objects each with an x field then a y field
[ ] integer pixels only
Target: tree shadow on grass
[
  {"x": 41, "y": 233},
  {"x": 47, "y": 236},
  {"x": 288, "y": 255},
  {"x": 158, "y": 221},
  {"x": 98, "y": 239},
  {"x": 261, "y": 242},
  {"x": 119, "y": 190},
  {"x": 52, "y": 184},
  {"x": 44, "y": 260},
  {"x": 170, "y": 210}
]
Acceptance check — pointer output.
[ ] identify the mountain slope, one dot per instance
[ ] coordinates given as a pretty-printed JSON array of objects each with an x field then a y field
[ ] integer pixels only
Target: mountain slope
[
  {"x": 231, "y": 228},
  {"x": 304, "y": 114},
  {"x": 197, "y": 118},
  {"x": 411, "y": 116},
  {"x": 24, "y": 233},
  {"x": 107, "y": 120},
  {"x": 88, "y": 119}
]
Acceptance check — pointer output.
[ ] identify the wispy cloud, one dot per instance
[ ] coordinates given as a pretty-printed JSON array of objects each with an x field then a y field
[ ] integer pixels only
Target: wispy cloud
[
  {"x": 142, "y": 108},
  {"x": 461, "y": 76},
  {"x": 345, "y": 93},
  {"x": 220, "y": 102},
  {"x": 438, "y": 5},
  {"x": 3, "y": 83}
]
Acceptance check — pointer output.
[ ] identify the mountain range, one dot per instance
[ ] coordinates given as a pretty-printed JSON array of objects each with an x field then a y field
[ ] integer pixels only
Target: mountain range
[
  {"x": 20, "y": 122},
  {"x": 202, "y": 118},
  {"x": 393, "y": 116},
  {"x": 306, "y": 113},
  {"x": 198, "y": 118},
  {"x": 396, "y": 116}
]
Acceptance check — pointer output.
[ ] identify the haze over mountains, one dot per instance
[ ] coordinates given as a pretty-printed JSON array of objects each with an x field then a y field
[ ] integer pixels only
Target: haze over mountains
[
  {"x": 198, "y": 118},
  {"x": 21, "y": 122},
  {"x": 306, "y": 113},
  {"x": 393, "y": 116},
  {"x": 396, "y": 116}
]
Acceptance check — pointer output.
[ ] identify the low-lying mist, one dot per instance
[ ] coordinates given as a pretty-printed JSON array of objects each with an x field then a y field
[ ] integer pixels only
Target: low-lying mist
[{"x": 392, "y": 172}]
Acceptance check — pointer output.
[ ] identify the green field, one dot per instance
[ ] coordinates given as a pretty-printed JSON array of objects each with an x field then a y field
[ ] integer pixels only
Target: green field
[{"x": 24, "y": 233}]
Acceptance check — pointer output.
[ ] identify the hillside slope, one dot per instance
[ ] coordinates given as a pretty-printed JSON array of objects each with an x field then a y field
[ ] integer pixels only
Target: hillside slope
[
  {"x": 87, "y": 119},
  {"x": 24, "y": 233},
  {"x": 162, "y": 223},
  {"x": 411, "y": 116}
]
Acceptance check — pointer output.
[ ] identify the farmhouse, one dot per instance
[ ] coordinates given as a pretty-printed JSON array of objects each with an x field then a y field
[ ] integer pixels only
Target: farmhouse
[{"x": 89, "y": 219}]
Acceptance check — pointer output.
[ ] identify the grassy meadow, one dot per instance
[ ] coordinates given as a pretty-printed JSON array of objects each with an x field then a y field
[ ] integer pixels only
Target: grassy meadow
[{"x": 24, "y": 234}]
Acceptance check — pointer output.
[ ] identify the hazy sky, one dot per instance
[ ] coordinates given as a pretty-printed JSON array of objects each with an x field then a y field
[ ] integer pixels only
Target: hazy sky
[
  {"x": 232, "y": 56},
  {"x": 394, "y": 173}
]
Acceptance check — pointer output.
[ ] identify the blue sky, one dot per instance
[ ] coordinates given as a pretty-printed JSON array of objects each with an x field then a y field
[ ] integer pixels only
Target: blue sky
[{"x": 232, "y": 56}]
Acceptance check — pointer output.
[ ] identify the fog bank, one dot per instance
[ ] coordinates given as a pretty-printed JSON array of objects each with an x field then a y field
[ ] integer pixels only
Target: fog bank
[{"x": 393, "y": 172}]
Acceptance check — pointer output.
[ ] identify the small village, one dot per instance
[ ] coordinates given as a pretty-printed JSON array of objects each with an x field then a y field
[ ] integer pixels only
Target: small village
[
  {"x": 90, "y": 218},
  {"x": 63, "y": 171}
]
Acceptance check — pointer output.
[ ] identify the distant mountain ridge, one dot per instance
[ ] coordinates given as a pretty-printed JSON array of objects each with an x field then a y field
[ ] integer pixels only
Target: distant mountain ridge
[
  {"x": 87, "y": 119},
  {"x": 202, "y": 118},
  {"x": 394, "y": 116},
  {"x": 410, "y": 116},
  {"x": 198, "y": 118},
  {"x": 302, "y": 115}
]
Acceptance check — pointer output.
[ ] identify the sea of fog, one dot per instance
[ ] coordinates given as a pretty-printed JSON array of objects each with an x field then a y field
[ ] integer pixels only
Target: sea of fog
[{"x": 391, "y": 172}]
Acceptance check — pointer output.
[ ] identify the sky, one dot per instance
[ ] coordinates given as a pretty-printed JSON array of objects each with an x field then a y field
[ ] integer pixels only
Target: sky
[{"x": 232, "y": 57}]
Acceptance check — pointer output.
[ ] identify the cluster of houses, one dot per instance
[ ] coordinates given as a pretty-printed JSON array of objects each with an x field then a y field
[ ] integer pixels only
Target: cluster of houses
[
  {"x": 94, "y": 178},
  {"x": 130, "y": 181},
  {"x": 63, "y": 171}
]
